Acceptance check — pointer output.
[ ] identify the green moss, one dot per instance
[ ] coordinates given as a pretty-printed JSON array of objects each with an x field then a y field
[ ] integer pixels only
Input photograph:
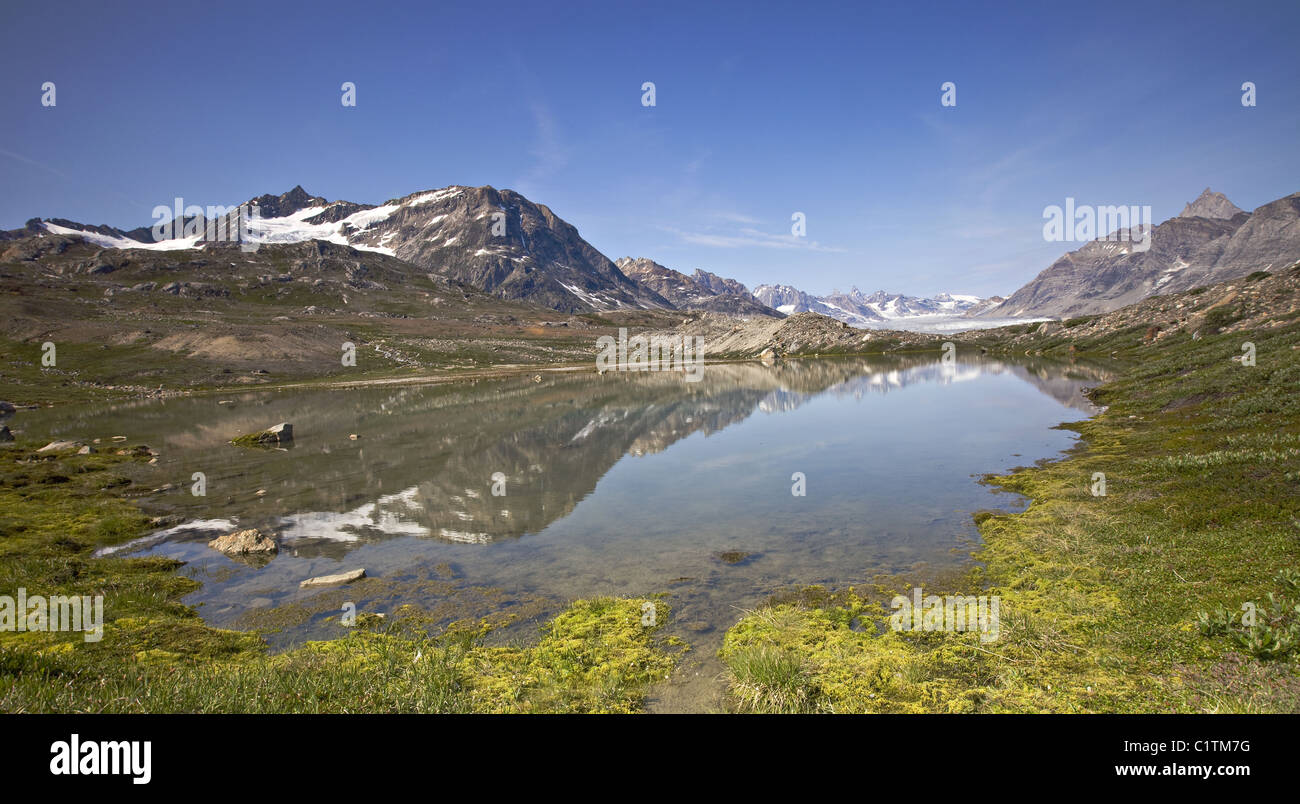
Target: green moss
[{"x": 259, "y": 440}]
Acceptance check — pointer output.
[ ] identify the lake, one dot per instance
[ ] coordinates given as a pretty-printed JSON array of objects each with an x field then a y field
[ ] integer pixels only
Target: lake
[{"x": 623, "y": 484}]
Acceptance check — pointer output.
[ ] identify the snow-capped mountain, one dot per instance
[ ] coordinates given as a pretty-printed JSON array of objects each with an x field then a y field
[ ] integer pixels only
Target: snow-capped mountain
[
  {"x": 860, "y": 309},
  {"x": 789, "y": 300},
  {"x": 496, "y": 240},
  {"x": 897, "y": 305}
]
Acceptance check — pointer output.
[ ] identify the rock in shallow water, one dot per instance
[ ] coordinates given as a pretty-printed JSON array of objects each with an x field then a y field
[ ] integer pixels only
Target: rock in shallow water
[
  {"x": 329, "y": 580},
  {"x": 281, "y": 433},
  {"x": 245, "y": 542}
]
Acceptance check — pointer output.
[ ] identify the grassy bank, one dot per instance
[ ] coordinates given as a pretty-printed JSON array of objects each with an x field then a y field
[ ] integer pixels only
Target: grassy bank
[
  {"x": 156, "y": 654},
  {"x": 1127, "y": 602}
]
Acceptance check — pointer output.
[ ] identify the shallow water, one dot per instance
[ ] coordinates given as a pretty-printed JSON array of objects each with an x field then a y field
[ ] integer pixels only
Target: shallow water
[{"x": 622, "y": 484}]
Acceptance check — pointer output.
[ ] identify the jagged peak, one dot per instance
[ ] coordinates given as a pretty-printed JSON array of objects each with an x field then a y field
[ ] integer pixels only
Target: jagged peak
[{"x": 1210, "y": 204}]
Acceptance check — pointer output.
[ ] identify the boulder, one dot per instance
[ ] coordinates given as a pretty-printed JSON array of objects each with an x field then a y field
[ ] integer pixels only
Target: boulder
[
  {"x": 5, "y": 435},
  {"x": 245, "y": 542},
  {"x": 281, "y": 433}
]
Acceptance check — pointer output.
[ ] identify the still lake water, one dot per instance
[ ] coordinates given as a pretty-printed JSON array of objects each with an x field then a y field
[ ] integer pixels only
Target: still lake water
[{"x": 622, "y": 484}]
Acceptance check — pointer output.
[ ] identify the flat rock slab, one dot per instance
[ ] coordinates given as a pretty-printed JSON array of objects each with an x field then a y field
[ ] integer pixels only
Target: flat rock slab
[
  {"x": 330, "y": 580},
  {"x": 58, "y": 446}
]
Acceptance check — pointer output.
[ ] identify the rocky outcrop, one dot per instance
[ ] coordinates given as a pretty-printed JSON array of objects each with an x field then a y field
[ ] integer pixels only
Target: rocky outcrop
[{"x": 1210, "y": 204}]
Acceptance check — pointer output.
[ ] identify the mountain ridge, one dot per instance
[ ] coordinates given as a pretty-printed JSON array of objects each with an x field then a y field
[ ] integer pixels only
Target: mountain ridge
[{"x": 1207, "y": 243}]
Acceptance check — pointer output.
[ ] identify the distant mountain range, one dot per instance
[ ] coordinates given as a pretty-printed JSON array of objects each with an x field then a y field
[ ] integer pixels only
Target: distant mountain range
[
  {"x": 504, "y": 244},
  {"x": 1210, "y": 242},
  {"x": 860, "y": 309}
]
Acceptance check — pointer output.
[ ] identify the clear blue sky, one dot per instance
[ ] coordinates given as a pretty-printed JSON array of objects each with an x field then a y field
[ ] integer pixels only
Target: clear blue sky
[{"x": 763, "y": 110}]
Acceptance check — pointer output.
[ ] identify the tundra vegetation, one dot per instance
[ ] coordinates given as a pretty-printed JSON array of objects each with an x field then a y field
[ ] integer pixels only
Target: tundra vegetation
[{"x": 1174, "y": 591}]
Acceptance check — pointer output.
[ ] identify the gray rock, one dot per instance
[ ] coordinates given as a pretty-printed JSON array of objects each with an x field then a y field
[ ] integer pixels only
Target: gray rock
[
  {"x": 330, "y": 580},
  {"x": 60, "y": 446},
  {"x": 1211, "y": 205}
]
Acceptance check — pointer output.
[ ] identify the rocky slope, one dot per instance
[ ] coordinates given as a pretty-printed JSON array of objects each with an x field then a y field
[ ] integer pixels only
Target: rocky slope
[
  {"x": 140, "y": 321},
  {"x": 703, "y": 291},
  {"x": 1263, "y": 299},
  {"x": 718, "y": 284},
  {"x": 1199, "y": 247},
  {"x": 799, "y": 334},
  {"x": 495, "y": 240}
]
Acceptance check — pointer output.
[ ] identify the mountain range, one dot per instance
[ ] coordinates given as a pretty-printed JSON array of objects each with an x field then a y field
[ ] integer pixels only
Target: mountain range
[
  {"x": 506, "y": 245},
  {"x": 500, "y": 242},
  {"x": 861, "y": 309}
]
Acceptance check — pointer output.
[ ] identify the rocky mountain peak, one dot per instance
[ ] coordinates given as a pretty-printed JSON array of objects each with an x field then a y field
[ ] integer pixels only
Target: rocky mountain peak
[
  {"x": 278, "y": 206},
  {"x": 1210, "y": 204}
]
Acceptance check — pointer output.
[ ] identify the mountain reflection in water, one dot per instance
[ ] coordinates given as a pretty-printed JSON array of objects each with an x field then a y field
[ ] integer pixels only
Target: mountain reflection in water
[{"x": 623, "y": 484}]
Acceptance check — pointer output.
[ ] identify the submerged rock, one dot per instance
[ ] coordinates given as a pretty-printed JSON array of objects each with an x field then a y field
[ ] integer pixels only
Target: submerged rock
[
  {"x": 329, "y": 580},
  {"x": 5, "y": 435}
]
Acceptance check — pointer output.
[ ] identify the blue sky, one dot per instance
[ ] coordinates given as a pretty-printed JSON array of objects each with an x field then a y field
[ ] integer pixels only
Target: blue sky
[{"x": 762, "y": 110}]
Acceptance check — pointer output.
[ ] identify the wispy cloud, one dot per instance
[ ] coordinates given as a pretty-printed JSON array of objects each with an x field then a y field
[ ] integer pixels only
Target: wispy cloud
[
  {"x": 548, "y": 149},
  {"x": 749, "y": 237},
  {"x": 735, "y": 217},
  {"x": 34, "y": 163}
]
